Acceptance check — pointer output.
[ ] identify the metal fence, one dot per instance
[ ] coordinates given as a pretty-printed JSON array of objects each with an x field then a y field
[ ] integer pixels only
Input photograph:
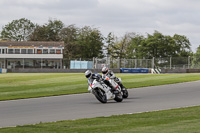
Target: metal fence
[
  {"x": 98, "y": 63},
  {"x": 166, "y": 63},
  {"x": 123, "y": 63},
  {"x": 173, "y": 62}
]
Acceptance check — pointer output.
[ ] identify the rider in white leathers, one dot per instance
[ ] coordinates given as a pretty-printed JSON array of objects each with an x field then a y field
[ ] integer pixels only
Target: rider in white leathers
[{"x": 110, "y": 74}]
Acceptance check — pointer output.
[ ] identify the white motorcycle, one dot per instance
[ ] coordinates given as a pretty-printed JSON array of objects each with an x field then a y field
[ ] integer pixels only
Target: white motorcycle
[{"x": 103, "y": 92}]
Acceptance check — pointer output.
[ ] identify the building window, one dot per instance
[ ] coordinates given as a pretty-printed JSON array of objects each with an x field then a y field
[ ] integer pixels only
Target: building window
[
  {"x": 58, "y": 51},
  {"x": 28, "y": 63},
  {"x": 39, "y": 51},
  {"x": 0, "y": 51},
  {"x": 10, "y": 51},
  {"x": 45, "y": 51},
  {"x": 23, "y": 51},
  {"x": 52, "y": 51},
  {"x": 3, "y": 51},
  {"x": 30, "y": 51},
  {"x": 17, "y": 51}
]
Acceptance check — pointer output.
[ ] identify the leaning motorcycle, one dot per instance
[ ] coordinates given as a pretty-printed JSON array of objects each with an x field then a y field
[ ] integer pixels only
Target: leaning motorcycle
[{"x": 103, "y": 92}]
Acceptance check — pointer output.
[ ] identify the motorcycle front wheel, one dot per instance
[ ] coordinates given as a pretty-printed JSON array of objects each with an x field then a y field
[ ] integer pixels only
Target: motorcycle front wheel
[{"x": 100, "y": 95}]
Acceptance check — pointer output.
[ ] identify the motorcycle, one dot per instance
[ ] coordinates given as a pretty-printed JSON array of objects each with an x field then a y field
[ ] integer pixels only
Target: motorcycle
[{"x": 103, "y": 92}]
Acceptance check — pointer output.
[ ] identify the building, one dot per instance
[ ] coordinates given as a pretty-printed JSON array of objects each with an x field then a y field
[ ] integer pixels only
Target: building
[{"x": 31, "y": 54}]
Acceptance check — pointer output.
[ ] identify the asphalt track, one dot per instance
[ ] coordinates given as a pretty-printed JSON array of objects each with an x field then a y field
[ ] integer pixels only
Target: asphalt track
[{"x": 69, "y": 107}]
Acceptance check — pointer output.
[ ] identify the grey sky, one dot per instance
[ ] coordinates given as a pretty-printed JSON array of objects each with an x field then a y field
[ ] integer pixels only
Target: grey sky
[{"x": 119, "y": 16}]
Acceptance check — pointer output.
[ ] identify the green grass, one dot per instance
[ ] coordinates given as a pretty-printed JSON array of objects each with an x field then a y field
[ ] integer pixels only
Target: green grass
[
  {"x": 184, "y": 120},
  {"x": 28, "y": 85},
  {"x": 16, "y": 86}
]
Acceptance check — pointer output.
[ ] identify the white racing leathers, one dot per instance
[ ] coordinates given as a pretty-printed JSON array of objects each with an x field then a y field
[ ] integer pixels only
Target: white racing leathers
[{"x": 110, "y": 76}]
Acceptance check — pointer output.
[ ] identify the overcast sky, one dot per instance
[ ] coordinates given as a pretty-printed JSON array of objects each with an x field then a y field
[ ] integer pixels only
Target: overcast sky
[{"x": 118, "y": 16}]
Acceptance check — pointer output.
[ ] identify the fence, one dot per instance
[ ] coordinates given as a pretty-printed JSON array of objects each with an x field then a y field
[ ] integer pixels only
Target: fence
[
  {"x": 98, "y": 63},
  {"x": 165, "y": 63},
  {"x": 173, "y": 62}
]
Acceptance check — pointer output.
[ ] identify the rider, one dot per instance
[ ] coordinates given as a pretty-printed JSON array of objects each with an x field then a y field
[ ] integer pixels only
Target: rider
[
  {"x": 110, "y": 74},
  {"x": 91, "y": 76}
]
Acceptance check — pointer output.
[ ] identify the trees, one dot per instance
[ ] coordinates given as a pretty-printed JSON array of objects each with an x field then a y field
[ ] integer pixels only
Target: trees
[
  {"x": 181, "y": 45},
  {"x": 18, "y": 30},
  {"x": 39, "y": 34},
  {"x": 24, "y": 30},
  {"x": 83, "y": 42},
  {"x": 159, "y": 45},
  {"x": 90, "y": 43},
  {"x": 119, "y": 47},
  {"x": 48, "y": 32},
  {"x": 137, "y": 47},
  {"x": 196, "y": 59},
  {"x": 111, "y": 47},
  {"x": 156, "y": 45},
  {"x": 69, "y": 35},
  {"x": 110, "y": 40},
  {"x": 86, "y": 42}
]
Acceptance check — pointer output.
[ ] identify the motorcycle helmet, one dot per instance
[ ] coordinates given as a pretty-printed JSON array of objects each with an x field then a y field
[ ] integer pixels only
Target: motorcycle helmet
[
  {"x": 104, "y": 70},
  {"x": 88, "y": 73}
]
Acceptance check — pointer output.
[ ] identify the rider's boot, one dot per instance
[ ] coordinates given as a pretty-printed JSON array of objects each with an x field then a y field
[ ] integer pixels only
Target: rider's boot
[{"x": 122, "y": 87}]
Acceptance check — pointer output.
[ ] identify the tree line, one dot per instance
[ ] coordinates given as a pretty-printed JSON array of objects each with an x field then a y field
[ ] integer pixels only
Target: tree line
[{"x": 89, "y": 42}]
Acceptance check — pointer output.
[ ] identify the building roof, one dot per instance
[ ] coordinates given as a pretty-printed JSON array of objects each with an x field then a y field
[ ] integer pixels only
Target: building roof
[{"x": 31, "y": 44}]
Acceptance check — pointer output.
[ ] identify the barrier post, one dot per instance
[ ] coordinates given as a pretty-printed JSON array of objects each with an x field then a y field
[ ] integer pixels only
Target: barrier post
[
  {"x": 170, "y": 66},
  {"x": 188, "y": 62},
  {"x": 153, "y": 62},
  {"x": 135, "y": 63},
  {"x": 23, "y": 63},
  {"x": 118, "y": 63},
  {"x": 93, "y": 63}
]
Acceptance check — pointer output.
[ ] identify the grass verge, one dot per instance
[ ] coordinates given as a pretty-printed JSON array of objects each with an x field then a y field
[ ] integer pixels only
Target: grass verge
[
  {"x": 29, "y": 85},
  {"x": 183, "y": 120}
]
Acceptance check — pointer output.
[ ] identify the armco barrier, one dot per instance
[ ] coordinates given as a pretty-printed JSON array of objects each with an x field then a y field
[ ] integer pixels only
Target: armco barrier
[{"x": 134, "y": 70}]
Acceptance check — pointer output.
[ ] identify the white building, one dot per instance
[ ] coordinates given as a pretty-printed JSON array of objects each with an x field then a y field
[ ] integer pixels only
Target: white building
[{"x": 36, "y": 54}]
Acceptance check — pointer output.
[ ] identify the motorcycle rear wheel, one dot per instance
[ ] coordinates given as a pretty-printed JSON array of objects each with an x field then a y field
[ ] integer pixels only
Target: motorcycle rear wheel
[
  {"x": 118, "y": 97},
  {"x": 125, "y": 93},
  {"x": 100, "y": 95}
]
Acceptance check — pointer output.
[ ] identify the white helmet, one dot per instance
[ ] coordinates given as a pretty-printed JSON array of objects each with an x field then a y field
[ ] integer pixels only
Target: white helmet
[
  {"x": 88, "y": 73},
  {"x": 104, "y": 70}
]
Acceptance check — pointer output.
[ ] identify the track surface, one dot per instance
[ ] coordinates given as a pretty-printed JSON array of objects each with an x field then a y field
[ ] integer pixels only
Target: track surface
[{"x": 68, "y": 107}]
